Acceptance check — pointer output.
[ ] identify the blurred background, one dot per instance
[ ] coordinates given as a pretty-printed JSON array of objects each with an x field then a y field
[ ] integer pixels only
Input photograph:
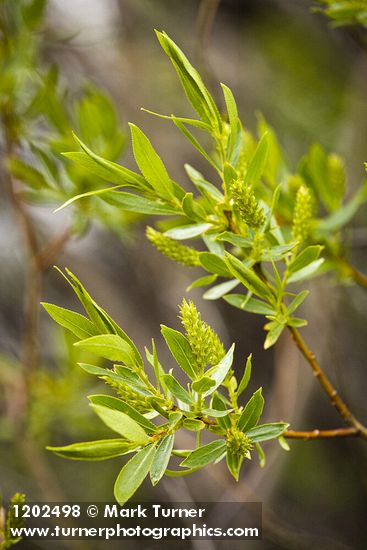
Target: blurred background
[{"x": 310, "y": 83}]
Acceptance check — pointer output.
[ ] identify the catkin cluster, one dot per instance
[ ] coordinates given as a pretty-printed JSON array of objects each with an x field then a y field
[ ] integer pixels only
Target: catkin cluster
[
  {"x": 238, "y": 443},
  {"x": 172, "y": 249},
  {"x": 205, "y": 343},
  {"x": 247, "y": 205},
  {"x": 303, "y": 214},
  {"x": 127, "y": 394}
]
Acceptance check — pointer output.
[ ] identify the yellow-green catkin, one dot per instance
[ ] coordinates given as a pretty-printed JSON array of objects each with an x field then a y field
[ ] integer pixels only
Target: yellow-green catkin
[
  {"x": 247, "y": 205},
  {"x": 238, "y": 443},
  {"x": 303, "y": 214},
  {"x": 205, "y": 343},
  {"x": 336, "y": 173},
  {"x": 172, "y": 249},
  {"x": 130, "y": 396}
]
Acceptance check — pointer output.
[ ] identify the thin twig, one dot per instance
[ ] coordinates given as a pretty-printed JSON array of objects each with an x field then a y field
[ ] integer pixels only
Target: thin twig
[
  {"x": 321, "y": 434},
  {"x": 326, "y": 384}
]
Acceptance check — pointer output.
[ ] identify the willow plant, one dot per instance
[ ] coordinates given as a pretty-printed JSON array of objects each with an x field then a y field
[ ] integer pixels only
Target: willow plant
[
  {"x": 206, "y": 401},
  {"x": 258, "y": 227}
]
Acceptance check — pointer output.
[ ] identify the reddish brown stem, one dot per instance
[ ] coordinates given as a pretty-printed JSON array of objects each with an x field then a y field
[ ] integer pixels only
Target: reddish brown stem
[
  {"x": 326, "y": 384},
  {"x": 321, "y": 434}
]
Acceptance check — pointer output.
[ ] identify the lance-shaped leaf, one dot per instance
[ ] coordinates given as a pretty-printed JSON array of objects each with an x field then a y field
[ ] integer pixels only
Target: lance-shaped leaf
[
  {"x": 204, "y": 384},
  {"x": 219, "y": 372},
  {"x": 192, "y": 83},
  {"x": 257, "y": 163},
  {"x": 248, "y": 278},
  {"x": 252, "y": 412},
  {"x": 180, "y": 348},
  {"x": 99, "y": 317},
  {"x": 247, "y": 303},
  {"x": 220, "y": 290},
  {"x": 95, "y": 450},
  {"x": 119, "y": 405},
  {"x": 188, "y": 231},
  {"x": 212, "y": 452},
  {"x": 264, "y": 432},
  {"x": 161, "y": 458},
  {"x": 122, "y": 424},
  {"x": 309, "y": 271},
  {"x": 214, "y": 264},
  {"x": 133, "y": 474},
  {"x": 150, "y": 164},
  {"x": 297, "y": 301},
  {"x": 219, "y": 405},
  {"x": 193, "y": 425},
  {"x": 106, "y": 169},
  {"x": 139, "y": 205},
  {"x": 176, "y": 389},
  {"x": 306, "y": 257},
  {"x": 234, "y": 463},
  {"x": 109, "y": 346},
  {"x": 76, "y": 323},
  {"x": 246, "y": 376}
]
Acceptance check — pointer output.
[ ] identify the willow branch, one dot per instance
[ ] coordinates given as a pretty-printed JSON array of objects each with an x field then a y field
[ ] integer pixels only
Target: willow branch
[
  {"x": 327, "y": 385},
  {"x": 321, "y": 434}
]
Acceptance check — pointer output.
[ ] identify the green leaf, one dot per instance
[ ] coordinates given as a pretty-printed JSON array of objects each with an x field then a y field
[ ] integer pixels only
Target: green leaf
[
  {"x": 234, "y": 463},
  {"x": 257, "y": 163},
  {"x": 95, "y": 450},
  {"x": 192, "y": 139},
  {"x": 119, "y": 405},
  {"x": 218, "y": 291},
  {"x": 246, "y": 376},
  {"x": 235, "y": 138},
  {"x": 122, "y": 424},
  {"x": 193, "y": 425},
  {"x": 107, "y": 170},
  {"x": 94, "y": 193},
  {"x": 306, "y": 257},
  {"x": 76, "y": 323},
  {"x": 161, "y": 458},
  {"x": 203, "y": 385},
  {"x": 99, "y": 317},
  {"x": 180, "y": 348},
  {"x": 113, "y": 172},
  {"x": 296, "y": 322},
  {"x": 109, "y": 346},
  {"x": 247, "y": 303},
  {"x": 219, "y": 405},
  {"x": 214, "y": 264},
  {"x": 174, "y": 419},
  {"x": 133, "y": 474},
  {"x": 188, "y": 231},
  {"x": 150, "y": 164},
  {"x": 203, "y": 186},
  {"x": 176, "y": 389},
  {"x": 192, "y": 83},
  {"x": 261, "y": 454},
  {"x": 275, "y": 330},
  {"x": 212, "y": 452},
  {"x": 309, "y": 271},
  {"x": 28, "y": 174},
  {"x": 193, "y": 209},
  {"x": 219, "y": 371},
  {"x": 203, "y": 281},
  {"x": 139, "y": 205},
  {"x": 248, "y": 277},
  {"x": 252, "y": 412},
  {"x": 297, "y": 301},
  {"x": 267, "y": 431},
  {"x": 96, "y": 371}
]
